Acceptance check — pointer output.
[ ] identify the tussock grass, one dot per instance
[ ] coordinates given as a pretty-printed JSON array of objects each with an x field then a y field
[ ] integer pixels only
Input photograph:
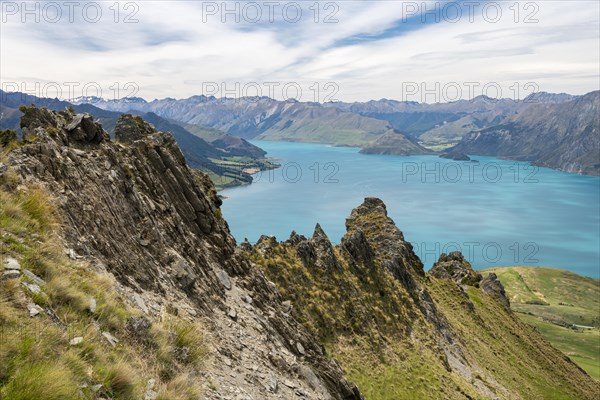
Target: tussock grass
[
  {"x": 36, "y": 204},
  {"x": 120, "y": 381},
  {"x": 180, "y": 345},
  {"x": 62, "y": 293},
  {"x": 36, "y": 360},
  {"x": 47, "y": 381},
  {"x": 189, "y": 336},
  {"x": 181, "y": 387},
  {"x": 9, "y": 290}
]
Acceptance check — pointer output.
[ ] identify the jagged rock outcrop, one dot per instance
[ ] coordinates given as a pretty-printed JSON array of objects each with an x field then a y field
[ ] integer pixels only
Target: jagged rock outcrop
[
  {"x": 135, "y": 210},
  {"x": 370, "y": 293},
  {"x": 386, "y": 240},
  {"x": 454, "y": 266},
  {"x": 65, "y": 127},
  {"x": 492, "y": 285},
  {"x": 357, "y": 246},
  {"x": 317, "y": 251},
  {"x": 83, "y": 129},
  {"x": 265, "y": 244},
  {"x": 129, "y": 128}
]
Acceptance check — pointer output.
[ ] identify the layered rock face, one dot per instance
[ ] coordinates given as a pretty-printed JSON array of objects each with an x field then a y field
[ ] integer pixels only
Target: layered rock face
[
  {"x": 134, "y": 209},
  {"x": 492, "y": 285}
]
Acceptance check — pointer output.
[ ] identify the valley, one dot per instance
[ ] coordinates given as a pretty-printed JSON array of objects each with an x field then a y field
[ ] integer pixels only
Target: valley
[{"x": 561, "y": 305}]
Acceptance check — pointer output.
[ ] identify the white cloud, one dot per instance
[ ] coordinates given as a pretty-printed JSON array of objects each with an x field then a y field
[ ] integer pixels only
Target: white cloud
[{"x": 171, "y": 52}]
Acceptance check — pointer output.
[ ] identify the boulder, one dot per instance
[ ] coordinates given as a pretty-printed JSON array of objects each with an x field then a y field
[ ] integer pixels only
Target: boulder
[
  {"x": 492, "y": 285},
  {"x": 76, "y": 341},
  {"x": 224, "y": 279},
  {"x": 34, "y": 309},
  {"x": 11, "y": 274},
  {"x": 12, "y": 263},
  {"x": 130, "y": 128},
  {"x": 84, "y": 129},
  {"x": 454, "y": 266},
  {"x": 110, "y": 338},
  {"x": 7, "y": 136}
]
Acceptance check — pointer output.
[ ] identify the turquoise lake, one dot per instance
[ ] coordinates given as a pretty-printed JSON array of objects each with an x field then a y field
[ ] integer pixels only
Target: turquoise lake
[{"x": 497, "y": 212}]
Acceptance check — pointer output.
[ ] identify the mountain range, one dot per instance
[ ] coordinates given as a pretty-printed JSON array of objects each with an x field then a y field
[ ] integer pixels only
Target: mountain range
[
  {"x": 563, "y": 135},
  {"x": 559, "y": 131},
  {"x": 554, "y": 130},
  {"x": 263, "y": 118}
]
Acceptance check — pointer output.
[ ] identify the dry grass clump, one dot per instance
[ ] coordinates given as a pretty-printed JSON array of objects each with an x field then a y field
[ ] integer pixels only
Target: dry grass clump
[{"x": 49, "y": 381}]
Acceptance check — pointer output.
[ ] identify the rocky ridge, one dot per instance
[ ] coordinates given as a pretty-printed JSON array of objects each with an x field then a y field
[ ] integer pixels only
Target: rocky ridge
[
  {"x": 372, "y": 288},
  {"x": 375, "y": 252},
  {"x": 134, "y": 210},
  {"x": 200, "y": 152}
]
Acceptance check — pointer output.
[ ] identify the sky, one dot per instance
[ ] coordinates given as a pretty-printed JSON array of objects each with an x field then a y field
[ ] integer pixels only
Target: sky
[{"x": 427, "y": 51}]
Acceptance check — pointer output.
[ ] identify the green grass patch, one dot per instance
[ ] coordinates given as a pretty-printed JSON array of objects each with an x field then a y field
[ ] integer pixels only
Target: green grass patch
[
  {"x": 552, "y": 299},
  {"x": 581, "y": 345}
]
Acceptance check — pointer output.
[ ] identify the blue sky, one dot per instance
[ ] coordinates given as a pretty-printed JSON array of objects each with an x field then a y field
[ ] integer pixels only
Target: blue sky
[{"x": 334, "y": 50}]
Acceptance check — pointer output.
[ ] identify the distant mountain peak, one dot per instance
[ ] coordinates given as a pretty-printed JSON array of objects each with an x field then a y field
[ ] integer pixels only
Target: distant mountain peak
[
  {"x": 87, "y": 99},
  {"x": 548, "y": 98},
  {"x": 99, "y": 100}
]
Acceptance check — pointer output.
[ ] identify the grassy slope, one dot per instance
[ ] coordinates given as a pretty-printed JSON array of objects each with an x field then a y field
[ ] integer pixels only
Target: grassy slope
[
  {"x": 450, "y": 132},
  {"x": 517, "y": 357},
  {"x": 582, "y": 346},
  {"x": 393, "y": 143},
  {"x": 317, "y": 133},
  {"x": 36, "y": 360},
  {"x": 569, "y": 299},
  {"x": 368, "y": 335},
  {"x": 324, "y": 125},
  {"x": 363, "y": 323},
  {"x": 208, "y": 134}
]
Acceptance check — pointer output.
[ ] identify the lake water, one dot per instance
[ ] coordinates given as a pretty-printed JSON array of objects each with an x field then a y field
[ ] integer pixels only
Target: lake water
[{"x": 497, "y": 212}]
